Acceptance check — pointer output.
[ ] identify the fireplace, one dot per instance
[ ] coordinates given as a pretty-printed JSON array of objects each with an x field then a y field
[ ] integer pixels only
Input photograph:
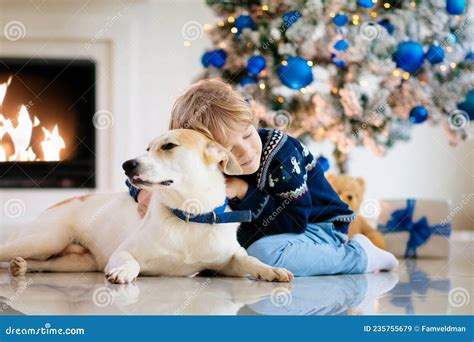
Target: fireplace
[{"x": 47, "y": 135}]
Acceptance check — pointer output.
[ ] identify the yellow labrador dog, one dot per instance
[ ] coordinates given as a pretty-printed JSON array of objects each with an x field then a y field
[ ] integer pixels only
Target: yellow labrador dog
[{"x": 104, "y": 232}]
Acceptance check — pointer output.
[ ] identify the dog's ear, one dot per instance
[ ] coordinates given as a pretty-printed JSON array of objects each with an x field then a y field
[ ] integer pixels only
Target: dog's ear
[{"x": 216, "y": 153}]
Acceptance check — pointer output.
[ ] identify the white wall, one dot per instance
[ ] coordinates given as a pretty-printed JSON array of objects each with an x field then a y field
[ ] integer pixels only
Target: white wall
[{"x": 162, "y": 67}]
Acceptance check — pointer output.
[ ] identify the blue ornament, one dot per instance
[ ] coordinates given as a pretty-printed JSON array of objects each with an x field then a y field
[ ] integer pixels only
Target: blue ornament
[
  {"x": 291, "y": 17},
  {"x": 323, "y": 162},
  {"x": 468, "y": 104},
  {"x": 205, "y": 59},
  {"x": 340, "y": 19},
  {"x": 255, "y": 64},
  {"x": 409, "y": 56},
  {"x": 295, "y": 73},
  {"x": 341, "y": 45},
  {"x": 435, "y": 54},
  {"x": 248, "y": 80},
  {"x": 333, "y": 55},
  {"x": 366, "y": 3},
  {"x": 387, "y": 25},
  {"x": 215, "y": 58},
  {"x": 339, "y": 63},
  {"x": 418, "y": 114},
  {"x": 455, "y": 7},
  {"x": 469, "y": 56},
  {"x": 243, "y": 22}
]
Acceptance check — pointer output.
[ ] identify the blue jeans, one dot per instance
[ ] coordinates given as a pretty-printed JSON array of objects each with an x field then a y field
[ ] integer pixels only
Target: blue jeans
[{"x": 319, "y": 250}]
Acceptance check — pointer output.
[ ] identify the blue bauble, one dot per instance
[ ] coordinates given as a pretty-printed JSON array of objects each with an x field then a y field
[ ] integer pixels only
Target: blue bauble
[
  {"x": 215, "y": 58},
  {"x": 366, "y": 3},
  {"x": 387, "y": 25},
  {"x": 255, "y": 64},
  {"x": 339, "y": 64},
  {"x": 418, "y": 114},
  {"x": 296, "y": 74},
  {"x": 468, "y": 104},
  {"x": 469, "y": 56},
  {"x": 243, "y": 22},
  {"x": 340, "y": 19},
  {"x": 323, "y": 162},
  {"x": 248, "y": 80},
  {"x": 435, "y": 54},
  {"x": 455, "y": 7},
  {"x": 205, "y": 58},
  {"x": 409, "y": 56},
  {"x": 291, "y": 17},
  {"x": 341, "y": 45}
]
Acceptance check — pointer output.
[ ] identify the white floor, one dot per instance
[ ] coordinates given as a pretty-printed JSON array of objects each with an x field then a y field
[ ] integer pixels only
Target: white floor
[{"x": 430, "y": 287}]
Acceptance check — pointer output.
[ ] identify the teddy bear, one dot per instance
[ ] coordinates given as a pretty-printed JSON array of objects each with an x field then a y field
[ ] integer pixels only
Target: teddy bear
[{"x": 351, "y": 190}]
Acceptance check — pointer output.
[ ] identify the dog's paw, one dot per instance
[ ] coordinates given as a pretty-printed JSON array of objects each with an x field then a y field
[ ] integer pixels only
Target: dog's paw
[
  {"x": 121, "y": 275},
  {"x": 276, "y": 274},
  {"x": 17, "y": 267}
]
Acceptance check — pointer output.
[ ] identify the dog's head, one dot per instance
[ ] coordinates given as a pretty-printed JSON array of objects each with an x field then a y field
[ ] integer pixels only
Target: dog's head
[{"x": 180, "y": 158}]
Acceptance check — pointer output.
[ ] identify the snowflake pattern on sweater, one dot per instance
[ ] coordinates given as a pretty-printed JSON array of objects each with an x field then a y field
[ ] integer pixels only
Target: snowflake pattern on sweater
[{"x": 288, "y": 191}]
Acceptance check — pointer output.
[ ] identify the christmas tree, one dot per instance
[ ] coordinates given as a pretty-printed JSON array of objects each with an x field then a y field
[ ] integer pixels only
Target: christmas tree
[{"x": 359, "y": 73}]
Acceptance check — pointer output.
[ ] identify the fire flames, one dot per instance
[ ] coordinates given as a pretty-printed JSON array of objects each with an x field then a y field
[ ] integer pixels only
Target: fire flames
[{"x": 21, "y": 134}]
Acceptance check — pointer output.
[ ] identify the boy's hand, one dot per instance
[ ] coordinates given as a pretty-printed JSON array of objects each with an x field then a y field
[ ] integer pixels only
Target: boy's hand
[
  {"x": 235, "y": 187},
  {"x": 143, "y": 201}
]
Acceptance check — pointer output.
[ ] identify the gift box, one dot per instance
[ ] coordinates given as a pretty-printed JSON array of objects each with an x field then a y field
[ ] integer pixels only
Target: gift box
[{"x": 415, "y": 228}]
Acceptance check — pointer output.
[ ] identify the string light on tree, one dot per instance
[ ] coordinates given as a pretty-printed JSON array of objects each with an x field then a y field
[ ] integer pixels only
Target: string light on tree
[{"x": 316, "y": 63}]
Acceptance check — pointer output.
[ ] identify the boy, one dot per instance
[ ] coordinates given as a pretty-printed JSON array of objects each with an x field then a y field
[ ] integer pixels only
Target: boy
[{"x": 298, "y": 220}]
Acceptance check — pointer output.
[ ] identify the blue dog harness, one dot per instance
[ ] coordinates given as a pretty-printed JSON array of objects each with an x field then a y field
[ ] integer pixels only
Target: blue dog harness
[{"x": 217, "y": 216}]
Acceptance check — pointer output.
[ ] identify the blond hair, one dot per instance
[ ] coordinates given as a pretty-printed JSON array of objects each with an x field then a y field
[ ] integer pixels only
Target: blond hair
[{"x": 213, "y": 108}]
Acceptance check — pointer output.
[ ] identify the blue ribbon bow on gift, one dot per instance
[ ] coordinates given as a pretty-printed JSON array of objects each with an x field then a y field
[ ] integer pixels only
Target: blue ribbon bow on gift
[{"x": 402, "y": 221}]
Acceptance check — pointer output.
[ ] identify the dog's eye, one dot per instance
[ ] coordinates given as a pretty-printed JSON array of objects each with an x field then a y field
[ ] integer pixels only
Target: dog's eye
[
  {"x": 349, "y": 197},
  {"x": 168, "y": 146},
  {"x": 148, "y": 149}
]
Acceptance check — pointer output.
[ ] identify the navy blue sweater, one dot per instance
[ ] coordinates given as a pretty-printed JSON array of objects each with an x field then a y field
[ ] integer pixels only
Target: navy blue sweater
[{"x": 287, "y": 192}]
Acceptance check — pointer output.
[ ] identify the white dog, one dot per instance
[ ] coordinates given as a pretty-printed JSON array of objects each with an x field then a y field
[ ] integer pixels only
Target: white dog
[{"x": 183, "y": 169}]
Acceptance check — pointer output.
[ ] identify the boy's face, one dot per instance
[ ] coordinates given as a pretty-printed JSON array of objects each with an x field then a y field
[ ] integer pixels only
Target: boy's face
[{"x": 246, "y": 147}]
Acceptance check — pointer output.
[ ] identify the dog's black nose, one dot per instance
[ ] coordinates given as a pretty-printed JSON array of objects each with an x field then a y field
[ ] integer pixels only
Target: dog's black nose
[{"x": 129, "y": 166}]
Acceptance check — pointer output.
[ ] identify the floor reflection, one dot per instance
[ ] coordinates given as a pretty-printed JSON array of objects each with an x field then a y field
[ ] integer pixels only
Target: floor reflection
[
  {"x": 436, "y": 286},
  {"x": 418, "y": 285},
  {"x": 90, "y": 294}
]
